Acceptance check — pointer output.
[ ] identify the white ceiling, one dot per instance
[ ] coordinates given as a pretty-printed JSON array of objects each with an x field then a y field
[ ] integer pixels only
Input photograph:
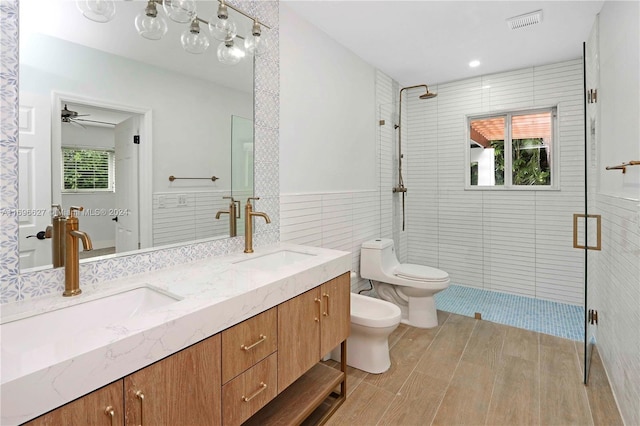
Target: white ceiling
[
  {"x": 429, "y": 42},
  {"x": 62, "y": 19}
]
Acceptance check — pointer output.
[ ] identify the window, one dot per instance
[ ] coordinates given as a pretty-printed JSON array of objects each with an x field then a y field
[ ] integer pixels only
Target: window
[
  {"x": 87, "y": 170},
  {"x": 512, "y": 150}
]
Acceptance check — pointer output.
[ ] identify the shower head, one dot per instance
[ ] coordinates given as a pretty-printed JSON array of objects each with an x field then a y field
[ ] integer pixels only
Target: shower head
[{"x": 428, "y": 95}]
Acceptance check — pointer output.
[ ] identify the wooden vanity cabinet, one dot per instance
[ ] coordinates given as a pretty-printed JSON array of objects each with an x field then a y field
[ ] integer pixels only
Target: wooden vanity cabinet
[
  {"x": 184, "y": 388},
  {"x": 181, "y": 389},
  {"x": 309, "y": 326},
  {"x": 103, "y": 407},
  {"x": 264, "y": 370}
]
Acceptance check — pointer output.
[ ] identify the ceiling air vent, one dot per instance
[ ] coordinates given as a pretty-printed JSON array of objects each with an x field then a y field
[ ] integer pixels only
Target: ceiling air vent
[{"x": 526, "y": 20}]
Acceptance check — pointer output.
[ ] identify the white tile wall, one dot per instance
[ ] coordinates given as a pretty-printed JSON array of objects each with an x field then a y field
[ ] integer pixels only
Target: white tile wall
[
  {"x": 614, "y": 290},
  {"x": 336, "y": 220},
  {"x": 518, "y": 242},
  {"x": 614, "y": 272},
  {"x": 194, "y": 220}
]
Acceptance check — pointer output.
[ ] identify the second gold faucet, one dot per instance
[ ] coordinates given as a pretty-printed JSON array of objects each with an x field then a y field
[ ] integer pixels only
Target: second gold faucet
[
  {"x": 248, "y": 224},
  {"x": 71, "y": 258},
  {"x": 234, "y": 213}
]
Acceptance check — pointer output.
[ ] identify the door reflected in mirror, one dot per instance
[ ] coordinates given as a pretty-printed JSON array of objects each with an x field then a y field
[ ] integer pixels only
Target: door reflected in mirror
[{"x": 106, "y": 116}]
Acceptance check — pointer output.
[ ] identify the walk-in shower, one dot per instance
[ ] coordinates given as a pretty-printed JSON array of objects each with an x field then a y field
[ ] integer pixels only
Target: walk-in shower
[{"x": 400, "y": 187}]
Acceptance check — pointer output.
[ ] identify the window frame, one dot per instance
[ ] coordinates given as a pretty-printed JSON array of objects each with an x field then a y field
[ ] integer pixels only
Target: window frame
[
  {"x": 111, "y": 169},
  {"x": 508, "y": 147}
]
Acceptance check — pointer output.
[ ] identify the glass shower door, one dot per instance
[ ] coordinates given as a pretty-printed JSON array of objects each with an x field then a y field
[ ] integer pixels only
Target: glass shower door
[
  {"x": 592, "y": 222},
  {"x": 386, "y": 166}
]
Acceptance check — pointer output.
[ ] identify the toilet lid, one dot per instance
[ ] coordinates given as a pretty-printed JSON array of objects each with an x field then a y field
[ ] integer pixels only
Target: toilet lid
[{"x": 420, "y": 273}]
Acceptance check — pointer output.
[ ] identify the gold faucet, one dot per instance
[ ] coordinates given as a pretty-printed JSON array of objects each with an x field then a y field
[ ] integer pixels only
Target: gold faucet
[
  {"x": 248, "y": 224},
  {"x": 56, "y": 231},
  {"x": 233, "y": 215},
  {"x": 71, "y": 258}
]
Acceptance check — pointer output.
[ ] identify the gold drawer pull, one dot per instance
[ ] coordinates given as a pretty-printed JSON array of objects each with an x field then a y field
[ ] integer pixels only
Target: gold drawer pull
[
  {"x": 262, "y": 339},
  {"x": 326, "y": 313},
  {"x": 109, "y": 411},
  {"x": 263, "y": 386},
  {"x": 319, "y": 302},
  {"x": 140, "y": 396}
]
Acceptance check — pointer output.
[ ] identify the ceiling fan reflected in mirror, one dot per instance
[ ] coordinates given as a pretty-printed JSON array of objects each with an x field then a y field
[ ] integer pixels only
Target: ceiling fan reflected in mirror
[{"x": 69, "y": 116}]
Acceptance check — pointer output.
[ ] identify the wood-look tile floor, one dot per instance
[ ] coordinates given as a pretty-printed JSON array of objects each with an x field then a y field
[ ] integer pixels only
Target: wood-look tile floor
[{"x": 474, "y": 372}]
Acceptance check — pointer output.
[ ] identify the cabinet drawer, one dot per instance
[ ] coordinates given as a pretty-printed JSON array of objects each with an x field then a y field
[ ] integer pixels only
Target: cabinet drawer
[
  {"x": 244, "y": 344},
  {"x": 243, "y": 396}
]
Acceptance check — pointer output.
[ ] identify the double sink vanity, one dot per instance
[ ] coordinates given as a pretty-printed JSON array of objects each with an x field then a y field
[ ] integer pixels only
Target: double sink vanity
[{"x": 218, "y": 341}]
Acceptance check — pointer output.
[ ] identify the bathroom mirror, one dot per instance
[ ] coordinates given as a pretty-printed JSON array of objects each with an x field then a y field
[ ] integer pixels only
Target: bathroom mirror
[{"x": 139, "y": 132}]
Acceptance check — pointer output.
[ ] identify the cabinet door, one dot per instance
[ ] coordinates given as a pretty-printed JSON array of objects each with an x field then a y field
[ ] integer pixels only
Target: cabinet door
[
  {"x": 101, "y": 407},
  {"x": 298, "y": 336},
  {"x": 182, "y": 389},
  {"x": 336, "y": 312}
]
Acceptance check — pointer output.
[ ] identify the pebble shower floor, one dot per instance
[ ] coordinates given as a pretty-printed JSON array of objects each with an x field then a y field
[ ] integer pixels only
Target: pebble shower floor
[{"x": 544, "y": 316}]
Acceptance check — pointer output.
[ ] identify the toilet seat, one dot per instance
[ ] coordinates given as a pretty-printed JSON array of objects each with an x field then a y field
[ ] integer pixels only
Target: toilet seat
[
  {"x": 374, "y": 313},
  {"x": 421, "y": 273}
]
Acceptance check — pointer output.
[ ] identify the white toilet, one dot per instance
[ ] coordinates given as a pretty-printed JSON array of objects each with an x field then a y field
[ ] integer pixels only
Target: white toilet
[
  {"x": 409, "y": 286},
  {"x": 372, "y": 320}
]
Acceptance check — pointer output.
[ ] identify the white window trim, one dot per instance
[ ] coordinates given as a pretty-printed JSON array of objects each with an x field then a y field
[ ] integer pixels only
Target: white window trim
[
  {"x": 555, "y": 151},
  {"x": 112, "y": 167}
]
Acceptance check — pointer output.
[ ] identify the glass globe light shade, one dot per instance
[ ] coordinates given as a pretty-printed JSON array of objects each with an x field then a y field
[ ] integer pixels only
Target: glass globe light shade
[
  {"x": 229, "y": 53},
  {"x": 97, "y": 10},
  {"x": 221, "y": 26},
  {"x": 181, "y": 11},
  {"x": 222, "y": 29},
  {"x": 152, "y": 28},
  {"x": 194, "y": 42},
  {"x": 256, "y": 45}
]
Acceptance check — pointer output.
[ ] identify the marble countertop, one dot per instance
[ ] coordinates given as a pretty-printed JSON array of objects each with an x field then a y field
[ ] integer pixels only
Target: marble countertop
[{"x": 214, "y": 294}]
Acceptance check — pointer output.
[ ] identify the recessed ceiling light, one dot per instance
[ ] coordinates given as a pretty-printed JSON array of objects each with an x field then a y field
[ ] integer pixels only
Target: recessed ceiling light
[{"x": 474, "y": 64}]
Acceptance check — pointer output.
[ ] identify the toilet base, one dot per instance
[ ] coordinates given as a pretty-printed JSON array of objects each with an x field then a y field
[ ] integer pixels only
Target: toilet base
[
  {"x": 366, "y": 352},
  {"x": 422, "y": 312},
  {"x": 417, "y": 311}
]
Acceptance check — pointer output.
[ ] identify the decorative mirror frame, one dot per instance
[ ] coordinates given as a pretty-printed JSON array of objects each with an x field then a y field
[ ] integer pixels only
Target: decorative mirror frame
[{"x": 15, "y": 286}]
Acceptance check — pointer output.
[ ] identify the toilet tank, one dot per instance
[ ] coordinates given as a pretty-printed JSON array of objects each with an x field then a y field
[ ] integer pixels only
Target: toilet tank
[{"x": 377, "y": 259}]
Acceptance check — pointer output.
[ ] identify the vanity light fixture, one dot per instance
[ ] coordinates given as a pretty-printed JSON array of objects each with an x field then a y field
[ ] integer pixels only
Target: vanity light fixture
[
  {"x": 255, "y": 43},
  {"x": 180, "y": 11},
  {"x": 222, "y": 28},
  {"x": 191, "y": 39},
  {"x": 97, "y": 10},
  {"x": 149, "y": 24},
  {"x": 229, "y": 53},
  {"x": 153, "y": 26}
]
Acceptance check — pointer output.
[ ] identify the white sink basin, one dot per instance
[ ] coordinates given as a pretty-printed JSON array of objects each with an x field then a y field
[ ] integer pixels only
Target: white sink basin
[
  {"x": 273, "y": 261},
  {"x": 43, "y": 332}
]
